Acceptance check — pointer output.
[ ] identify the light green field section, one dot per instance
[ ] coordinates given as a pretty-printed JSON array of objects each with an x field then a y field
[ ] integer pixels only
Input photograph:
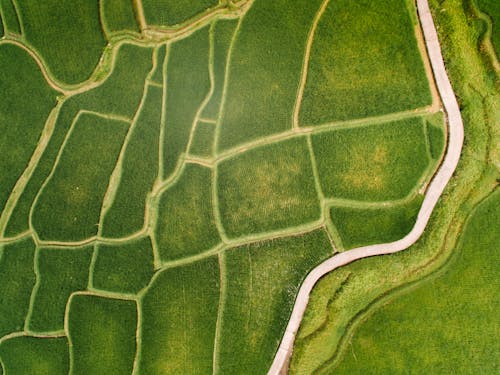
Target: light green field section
[
  {"x": 267, "y": 188},
  {"x": 173, "y": 12},
  {"x": 179, "y": 313},
  {"x": 123, "y": 268},
  {"x": 364, "y": 62},
  {"x": 102, "y": 335},
  {"x": 60, "y": 272},
  {"x": 118, "y": 16},
  {"x": 69, "y": 205},
  {"x": 25, "y": 102},
  {"x": 42, "y": 22},
  {"x": 436, "y": 134},
  {"x": 188, "y": 83},
  {"x": 374, "y": 163},
  {"x": 265, "y": 71},
  {"x": 41, "y": 356},
  {"x": 10, "y": 18},
  {"x": 203, "y": 140},
  {"x": 262, "y": 281},
  {"x": 17, "y": 279},
  {"x": 186, "y": 224}
]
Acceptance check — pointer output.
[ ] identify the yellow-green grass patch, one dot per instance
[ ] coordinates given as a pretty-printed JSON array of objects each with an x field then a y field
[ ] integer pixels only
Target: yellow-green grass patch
[
  {"x": 9, "y": 17},
  {"x": 186, "y": 224},
  {"x": 179, "y": 313},
  {"x": 262, "y": 282},
  {"x": 267, "y": 188},
  {"x": 61, "y": 271},
  {"x": 188, "y": 83},
  {"x": 372, "y": 163},
  {"x": 173, "y": 12},
  {"x": 69, "y": 205},
  {"x": 203, "y": 140},
  {"x": 364, "y": 62},
  {"x": 27, "y": 355},
  {"x": 118, "y": 15},
  {"x": 265, "y": 70},
  {"x": 123, "y": 268},
  {"x": 102, "y": 335},
  {"x": 17, "y": 279}
]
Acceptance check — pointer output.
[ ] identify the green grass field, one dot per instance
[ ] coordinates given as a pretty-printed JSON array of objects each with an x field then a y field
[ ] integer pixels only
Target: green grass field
[
  {"x": 203, "y": 140},
  {"x": 10, "y": 18},
  {"x": 117, "y": 16},
  {"x": 492, "y": 9},
  {"x": 173, "y": 12}
]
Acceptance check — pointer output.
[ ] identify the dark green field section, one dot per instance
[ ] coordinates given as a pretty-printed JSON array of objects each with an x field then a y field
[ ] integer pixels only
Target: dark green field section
[
  {"x": 43, "y": 23},
  {"x": 117, "y": 16},
  {"x": 10, "y": 18},
  {"x": 25, "y": 102},
  {"x": 262, "y": 282},
  {"x": 454, "y": 330},
  {"x": 188, "y": 83},
  {"x": 40, "y": 356},
  {"x": 139, "y": 171},
  {"x": 364, "y": 62},
  {"x": 267, "y": 188},
  {"x": 203, "y": 140},
  {"x": 492, "y": 10},
  {"x": 124, "y": 268},
  {"x": 69, "y": 205},
  {"x": 102, "y": 335},
  {"x": 157, "y": 75},
  {"x": 186, "y": 224},
  {"x": 173, "y": 12},
  {"x": 60, "y": 273},
  {"x": 368, "y": 226},
  {"x": 1, "y": 23},
  {"x": 265, "y": 70},
  {"x": 131, "y": 67},
  {"x": 17, "y": 279},
  {"x": 179, "y": 313},
  {"x": 221, "y": 33},
  {"x": 375, "y": 163},
  {"x": 436, "y": 135}
]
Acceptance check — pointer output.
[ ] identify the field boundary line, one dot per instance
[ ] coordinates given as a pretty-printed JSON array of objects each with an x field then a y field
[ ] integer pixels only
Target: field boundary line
[
  {"x": 220, "y": 311},
  {"x": 138, "y": 337},
  {"x": 34, "y": 291},
  {"x": 434, "y": 191},
  {"x": 216, "y": 206},
  {"x": 139, "y": 14},
  {"x": 161, "y": 141}
]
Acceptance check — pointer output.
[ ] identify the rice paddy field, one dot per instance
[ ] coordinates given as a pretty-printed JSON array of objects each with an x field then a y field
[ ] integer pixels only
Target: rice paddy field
[{"x": 173, "y": 170}]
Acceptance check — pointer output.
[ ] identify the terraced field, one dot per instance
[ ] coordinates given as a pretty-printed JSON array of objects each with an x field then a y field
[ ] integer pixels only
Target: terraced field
[{"x": 184, "y": 166}]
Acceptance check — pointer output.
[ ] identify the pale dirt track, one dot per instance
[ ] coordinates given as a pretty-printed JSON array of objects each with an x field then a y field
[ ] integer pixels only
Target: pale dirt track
[{"x": 434, "y": 191}]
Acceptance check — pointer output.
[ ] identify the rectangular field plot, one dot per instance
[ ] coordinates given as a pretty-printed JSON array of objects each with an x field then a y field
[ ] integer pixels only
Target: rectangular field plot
[
  {"x": 368, "y": 226},
  {"x": 372, "y": 163},
  {"x": 188, "y": 83},
  {"x": 186, "y": 224},
  {"x": 35, "y": 355},
  {"x": 173, "y": 12},
  {"x": 60, "y": 273},
  {"x": 118, "y": 15},
  {"x": 161, "y": 53},
  {"x": 102, "y": 335},
  {"x": 124, "y": 268},
  {"x": 17, "y": 279},
  {"x": 179, "y": 313},
  {"x": 9, "y": 17},
  {"x": 69, "y": 205},
  {"x": 203, "y": 140},
  {"x": 265, "y": 70},
  {"x": 364, "y": 62},
  {"x": 267, "y": 188},
  {"x": 436, "y": 135},
  {"x": 262, "y": 282}
]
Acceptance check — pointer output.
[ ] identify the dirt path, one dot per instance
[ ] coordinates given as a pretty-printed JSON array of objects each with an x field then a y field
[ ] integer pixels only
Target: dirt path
[{"x": 434, "y": 191}]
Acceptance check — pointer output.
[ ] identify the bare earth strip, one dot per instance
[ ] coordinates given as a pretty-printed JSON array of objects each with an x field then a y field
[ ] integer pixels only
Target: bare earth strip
[{"x": 434, "y": 191}]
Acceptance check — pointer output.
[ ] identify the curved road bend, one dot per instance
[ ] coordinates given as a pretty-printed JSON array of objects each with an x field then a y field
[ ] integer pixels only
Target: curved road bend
[{"x": 436, "y": 187}]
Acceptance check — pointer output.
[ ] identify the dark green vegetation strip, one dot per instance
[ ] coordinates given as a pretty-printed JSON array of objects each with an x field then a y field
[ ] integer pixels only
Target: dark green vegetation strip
[
  {"x": 60, "y": 273},
  {"x": 9, "y": 17},
  {"x": 173, "y": 12},
  {"x": 43, "y": 25},
  {"x": 364, "y": 62},
  {"x": 17, "y": 279},
  {"x": 69, "y": 206},
  {"x": 124, "y": 268},
  {"x": 375, "y": 163},
  {"x": 118, "y": 15},
  {"x": 265, "y": 69},
  {"x": 25, "y": 102},
  {"x": 263, "y": 280},
  {"x": 203, "y": 140},
  {"x": 186, "y": 224},
  {"x": 492, "y": 9},
  {"x": 139, "y": 171},
  {"x": 1, "y": 22},
  {"x": 40, "y": 356},
  {"x": 368, "y": 226},
  {"x": 462, "y": 303},
  {"x": 222, "y": 33},
  {"x": 102, "y": 335},
  {"x": 188, "y": 83},
  {"x": 130, "y": 70},
  {"x": 268, "y": 188},
  {"x": 179, "y": 313}
]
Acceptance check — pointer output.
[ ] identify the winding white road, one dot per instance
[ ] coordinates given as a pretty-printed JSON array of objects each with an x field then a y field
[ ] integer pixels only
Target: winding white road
[{"x": 434, "y": 191}]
